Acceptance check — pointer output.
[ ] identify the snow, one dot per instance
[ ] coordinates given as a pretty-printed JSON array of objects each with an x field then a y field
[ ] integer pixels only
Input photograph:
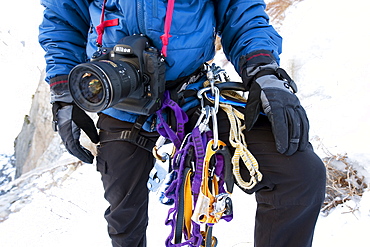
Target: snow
[
  {"x": 325, "y": 52},
  {"x": 327, "y": 45},
  {"x": 21, "y": 62}
]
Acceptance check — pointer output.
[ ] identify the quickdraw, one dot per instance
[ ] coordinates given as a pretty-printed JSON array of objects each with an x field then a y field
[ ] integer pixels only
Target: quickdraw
[{"x": 201, "y": 171}]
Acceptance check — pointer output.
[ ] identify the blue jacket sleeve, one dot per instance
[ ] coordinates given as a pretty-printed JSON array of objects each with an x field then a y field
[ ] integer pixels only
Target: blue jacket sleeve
[
  {"x": 244, "y": 27},
  {"x": 62, "y": 35}
]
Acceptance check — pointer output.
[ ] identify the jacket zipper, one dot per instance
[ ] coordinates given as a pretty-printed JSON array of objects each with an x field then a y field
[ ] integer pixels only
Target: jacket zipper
[
  {"x": 140, "y": 16},
  {"x": 155, "y": 8}
]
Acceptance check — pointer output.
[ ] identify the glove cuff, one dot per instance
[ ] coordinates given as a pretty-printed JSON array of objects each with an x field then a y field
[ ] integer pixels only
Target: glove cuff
[
  {"x": 255, "y": 62},
  {"x": 59, "y": 89}
]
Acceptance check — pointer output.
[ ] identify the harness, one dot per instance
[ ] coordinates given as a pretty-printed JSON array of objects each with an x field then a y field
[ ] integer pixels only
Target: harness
[
  {"x": 197, "y": 176},
  {"x": 132, "y": 136},
  {"x": 201, "y": 171}
]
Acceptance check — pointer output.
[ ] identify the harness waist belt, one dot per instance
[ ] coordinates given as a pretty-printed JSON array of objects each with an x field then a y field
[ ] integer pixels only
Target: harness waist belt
[{"x": 129, "y": 136}]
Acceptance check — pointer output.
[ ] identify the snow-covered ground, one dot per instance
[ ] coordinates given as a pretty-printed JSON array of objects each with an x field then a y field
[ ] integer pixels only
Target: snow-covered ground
[{"x": 325, "y": 50}]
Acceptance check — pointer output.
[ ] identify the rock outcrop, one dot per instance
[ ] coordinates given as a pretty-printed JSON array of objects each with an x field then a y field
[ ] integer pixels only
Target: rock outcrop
[{"x": 37, "y": 144}]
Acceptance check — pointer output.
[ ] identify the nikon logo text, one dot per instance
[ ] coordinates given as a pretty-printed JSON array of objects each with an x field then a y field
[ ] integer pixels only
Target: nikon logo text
[{"x": 121, "y": 49}]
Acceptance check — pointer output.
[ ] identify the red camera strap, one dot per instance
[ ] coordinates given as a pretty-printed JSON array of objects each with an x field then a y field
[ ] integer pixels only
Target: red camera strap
[
  {"x": 164, "y": 38},
  {"x": 103, "y": 24},
  {"x": 167, "y": 26}
]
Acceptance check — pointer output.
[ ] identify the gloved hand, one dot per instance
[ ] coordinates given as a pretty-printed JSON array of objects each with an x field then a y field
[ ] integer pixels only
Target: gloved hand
[
  {"x": 69, "y": 119},
  {"x": 272, "y": 89}
]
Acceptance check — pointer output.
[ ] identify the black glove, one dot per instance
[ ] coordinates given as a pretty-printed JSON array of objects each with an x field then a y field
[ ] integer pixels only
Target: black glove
[
  {"x": 272, "y": 89},
  {"x": 69, "y": 119}
]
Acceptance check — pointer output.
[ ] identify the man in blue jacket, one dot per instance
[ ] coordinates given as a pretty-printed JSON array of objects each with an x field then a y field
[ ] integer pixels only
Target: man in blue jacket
[{"x": 291, "y": 193}]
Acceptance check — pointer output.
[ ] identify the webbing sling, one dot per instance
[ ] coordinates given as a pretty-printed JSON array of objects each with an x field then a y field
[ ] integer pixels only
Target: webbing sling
[
  {"x": 237, "y": 140},
  {"x": 174, "y": 191},
  {"x": 180, "y": 212},
  {"x": 181, "y": 117},
  {"x": 228, "y": 98}
]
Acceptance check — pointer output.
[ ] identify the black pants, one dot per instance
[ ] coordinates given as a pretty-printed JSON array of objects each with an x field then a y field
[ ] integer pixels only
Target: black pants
[
  {"x": 124, "y": 168},
  {"x": 291, "y": 193},
  {"x": 288, "y": 198}
]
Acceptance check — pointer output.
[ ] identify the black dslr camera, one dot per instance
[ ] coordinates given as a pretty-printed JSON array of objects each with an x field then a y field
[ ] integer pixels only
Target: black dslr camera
[{"x": 129, "y": 77}]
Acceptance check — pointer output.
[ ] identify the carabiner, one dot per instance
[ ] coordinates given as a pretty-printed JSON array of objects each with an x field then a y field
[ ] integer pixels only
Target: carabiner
[
  {"x": 203, "y": 119},
  {"x": 159, "y": 143},
  {"x": 215, "y": 128},
  {"x": 217, "y": 98},
  {"x": 221, "y": 203},
  {"x": 200, "y": 95}
]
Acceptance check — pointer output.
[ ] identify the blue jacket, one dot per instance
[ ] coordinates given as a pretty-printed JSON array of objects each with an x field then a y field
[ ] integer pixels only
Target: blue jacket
[{"x": 68, "y": 33}]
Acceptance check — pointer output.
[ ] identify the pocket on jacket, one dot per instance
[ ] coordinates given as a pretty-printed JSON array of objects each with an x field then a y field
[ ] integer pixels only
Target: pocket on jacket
[{"x": 184, "y": 10}]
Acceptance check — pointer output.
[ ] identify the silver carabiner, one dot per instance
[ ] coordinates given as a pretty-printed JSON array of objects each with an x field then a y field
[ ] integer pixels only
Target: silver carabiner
[
  {"x": 203, "y": 119},
  {"x": 200, "y": 95},
  {"x": 222, "y": 204},
  {"x": 211, "y": 77},
  {"x": 217, "y": 98},
  {"x": 215, "y": 128}
]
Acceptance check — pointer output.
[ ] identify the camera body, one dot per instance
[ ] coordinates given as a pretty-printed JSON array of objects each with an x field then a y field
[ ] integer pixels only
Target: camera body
[{"x": 129, "y": 77}]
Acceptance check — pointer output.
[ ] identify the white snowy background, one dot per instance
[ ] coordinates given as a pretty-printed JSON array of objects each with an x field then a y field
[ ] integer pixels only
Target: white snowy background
[{"x": 325, "y": 49}]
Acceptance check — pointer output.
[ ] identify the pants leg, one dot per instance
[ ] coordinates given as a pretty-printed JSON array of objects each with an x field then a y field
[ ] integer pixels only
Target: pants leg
[
  {"x": 124, "y": 168},
  {"x": 291, "y": 193}
]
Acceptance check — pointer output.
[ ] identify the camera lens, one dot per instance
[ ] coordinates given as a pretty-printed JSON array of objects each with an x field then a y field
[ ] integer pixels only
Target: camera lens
[
  {"x": 91, "y": 88},
  {"x": 98, "y": 85}
]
